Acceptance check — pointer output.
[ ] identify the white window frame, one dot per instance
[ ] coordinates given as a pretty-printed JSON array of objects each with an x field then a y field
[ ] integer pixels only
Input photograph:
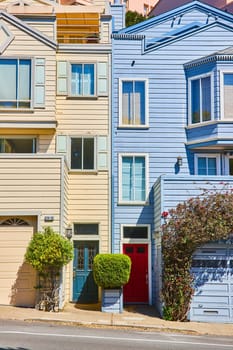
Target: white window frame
[
  {"x": 221, "y": 79},
  {"x": 120, "y": 200},
  {"x": 71, "y": 63},
  {"x": 133, "y": 126},
  {"x": 32, "y": 73},
  {"x": 207, "y": 155},
  {"x": 95, "y": 153},
  {"x": 226, "y": 158},
  {"x": 198, "y": 77}
]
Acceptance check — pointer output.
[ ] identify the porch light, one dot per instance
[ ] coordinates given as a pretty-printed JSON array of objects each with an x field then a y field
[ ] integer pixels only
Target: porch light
[
  {"x": 68, "y": 232},
  {"x": 179, "y": 161}
]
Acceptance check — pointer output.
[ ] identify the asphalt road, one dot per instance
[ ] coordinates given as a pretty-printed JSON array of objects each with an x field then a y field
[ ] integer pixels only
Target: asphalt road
[{"x": 43, "y": 336}]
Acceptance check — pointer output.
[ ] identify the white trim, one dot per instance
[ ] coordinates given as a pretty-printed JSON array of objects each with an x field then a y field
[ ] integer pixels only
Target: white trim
[
  {"x": 70, "y": 63},
  {"x": 221, "y": 89},
  {"x": 134, "y": 126},
  {"x": 207, "y": 155},
  {"x": 198, "y": 77},
  {"x": 136, "y": 240},
  {"x": 226, "y": 160},
  {"x": 146, "y": 156}
]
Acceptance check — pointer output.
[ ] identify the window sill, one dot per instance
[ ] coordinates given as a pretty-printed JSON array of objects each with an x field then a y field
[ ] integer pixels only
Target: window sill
[
  {"x": 144, "y": 203},
  {"x": 12, "y": 110},
  {"x": 82, "y": 97},
  {"x": 83, "y": 172},
  {"x": 133, "y": 127},
  {"x": 196, "y": 125}
]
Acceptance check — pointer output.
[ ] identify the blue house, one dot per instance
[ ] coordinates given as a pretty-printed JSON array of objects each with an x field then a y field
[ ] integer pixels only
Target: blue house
[{"x": 172, "y": 137}]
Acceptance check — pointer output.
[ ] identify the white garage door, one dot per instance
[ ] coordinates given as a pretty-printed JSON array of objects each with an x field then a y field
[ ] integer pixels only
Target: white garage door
[
  {"x": 213, "y": 271},
  {"x": 17, "y": 279}
]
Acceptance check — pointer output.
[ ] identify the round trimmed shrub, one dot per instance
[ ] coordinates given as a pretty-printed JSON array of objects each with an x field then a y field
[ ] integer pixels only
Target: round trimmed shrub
[{"x": 111, "y": 270}]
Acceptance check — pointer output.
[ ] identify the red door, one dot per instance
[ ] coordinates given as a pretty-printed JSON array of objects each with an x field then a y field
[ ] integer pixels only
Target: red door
[{"x": 136, "y": 290}]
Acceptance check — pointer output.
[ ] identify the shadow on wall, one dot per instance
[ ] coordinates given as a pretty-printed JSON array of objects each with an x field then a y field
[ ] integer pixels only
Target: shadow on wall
[{"x": 23, "y": 291}]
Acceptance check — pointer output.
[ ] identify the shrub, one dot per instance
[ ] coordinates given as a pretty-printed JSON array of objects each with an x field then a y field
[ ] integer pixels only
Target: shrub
[
  {"x": 111, "y": 270},
  {"x": 48, "y": 252}
]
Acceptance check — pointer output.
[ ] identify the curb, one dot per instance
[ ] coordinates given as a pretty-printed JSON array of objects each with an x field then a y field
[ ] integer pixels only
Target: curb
[{"x": 90, "y": 324}]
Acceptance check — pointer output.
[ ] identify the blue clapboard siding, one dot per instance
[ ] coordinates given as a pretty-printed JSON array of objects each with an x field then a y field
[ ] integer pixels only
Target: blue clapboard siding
[
  {"x": 118, "y": 17},
  {"x": 177, "y": 189},
  {"x": 167, "y": 135}
]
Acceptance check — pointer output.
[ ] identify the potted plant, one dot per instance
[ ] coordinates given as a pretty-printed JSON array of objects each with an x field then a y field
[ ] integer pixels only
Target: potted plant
[{"x": 111, "y": 272}]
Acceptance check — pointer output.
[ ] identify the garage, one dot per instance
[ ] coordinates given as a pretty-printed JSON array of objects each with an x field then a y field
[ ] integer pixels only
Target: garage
[
  {"x": 213, "y": 271},
  {"x": 17, "y": 278}
]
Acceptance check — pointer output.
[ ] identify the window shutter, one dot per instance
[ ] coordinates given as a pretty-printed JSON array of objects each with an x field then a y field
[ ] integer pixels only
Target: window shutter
[
  {"x": 102, "y": 79},
  {"x": 102, "y": 149},
  {"x": 62, "y": 78},
  {"x": 39, "y": 87},
  {"x": 61, "y": 145}
]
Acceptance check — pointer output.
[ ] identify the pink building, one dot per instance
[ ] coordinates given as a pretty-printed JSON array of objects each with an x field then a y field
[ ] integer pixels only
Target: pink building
[
  {"x": 141, "y": 6},
  {"x": 162, "y": 6}
]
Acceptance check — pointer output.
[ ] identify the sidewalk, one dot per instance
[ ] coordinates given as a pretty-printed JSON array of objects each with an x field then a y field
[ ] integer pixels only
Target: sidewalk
[{"x": 143, "y": 317}]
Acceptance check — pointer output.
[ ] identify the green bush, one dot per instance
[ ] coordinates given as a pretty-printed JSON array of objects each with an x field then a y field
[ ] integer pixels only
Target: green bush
[
  {"x": 48, "y": 250},
  {"x": 111, "y": 270}
]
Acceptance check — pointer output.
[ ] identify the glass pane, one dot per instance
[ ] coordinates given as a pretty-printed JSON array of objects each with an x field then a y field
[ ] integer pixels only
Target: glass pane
[
  {"x": 135, "y": 232},
  {"x": 80, "y": 262},
  {"x": 24, "y": 80},
  {"x": 17, "y": 145},
  {"x": 201, "y": 165},
  {"x": 7, "y": 82},
  {"x": 230, "y": 166},
  {"x": 206, "y": 99},
  {"x": 76, "y": 153},
  {"x": 139, "y": 179},
  {"x": 76, "y": 79},
  {"x": 139, "y": 108},
  {"x": 88, "y": 80},
  {"x": 212, "y": 167},
  {"x": 127, "y": 178},
  {"x": 88, "y": 153},
  {"x": 127, "y": 102},
  {"x": 228, "y": 96},
  {"x": 195, "y": 101},
  {"x": 2, "y": 148},
  {"x": 86, "y": 229}
]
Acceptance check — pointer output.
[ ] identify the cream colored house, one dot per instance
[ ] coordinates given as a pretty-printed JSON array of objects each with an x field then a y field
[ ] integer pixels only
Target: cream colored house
[{"x": 55, "y": 63}]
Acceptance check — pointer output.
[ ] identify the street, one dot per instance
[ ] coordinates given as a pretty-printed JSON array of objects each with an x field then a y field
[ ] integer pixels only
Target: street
[{"x": 15, "y": 335}]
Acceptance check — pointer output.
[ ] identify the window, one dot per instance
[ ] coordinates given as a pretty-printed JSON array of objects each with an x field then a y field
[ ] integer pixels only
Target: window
[
  {"x": 83, "y": 153},
  {"x": 135, "y": 232},
  {"x": 86, "y": 229},
  {"x": 228, "y": 95},
  {"x": 17, "y": 145},
  {"x": 207, "y": 164},
  {"x": 82, "y": 79},
  {"x": 15, "y": 83},
  {"x": 133, "y": 103},
  {"x": 201, "y": 100},
  {"x": 133, "y": 182}
]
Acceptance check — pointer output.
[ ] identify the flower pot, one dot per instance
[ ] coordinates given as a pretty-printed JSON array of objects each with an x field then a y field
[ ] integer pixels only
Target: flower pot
[{"x": 112, "y": 300}]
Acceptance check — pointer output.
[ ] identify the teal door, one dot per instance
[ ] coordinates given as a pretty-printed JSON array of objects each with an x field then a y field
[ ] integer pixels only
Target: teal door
[{"x": 84, "y": 288}]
